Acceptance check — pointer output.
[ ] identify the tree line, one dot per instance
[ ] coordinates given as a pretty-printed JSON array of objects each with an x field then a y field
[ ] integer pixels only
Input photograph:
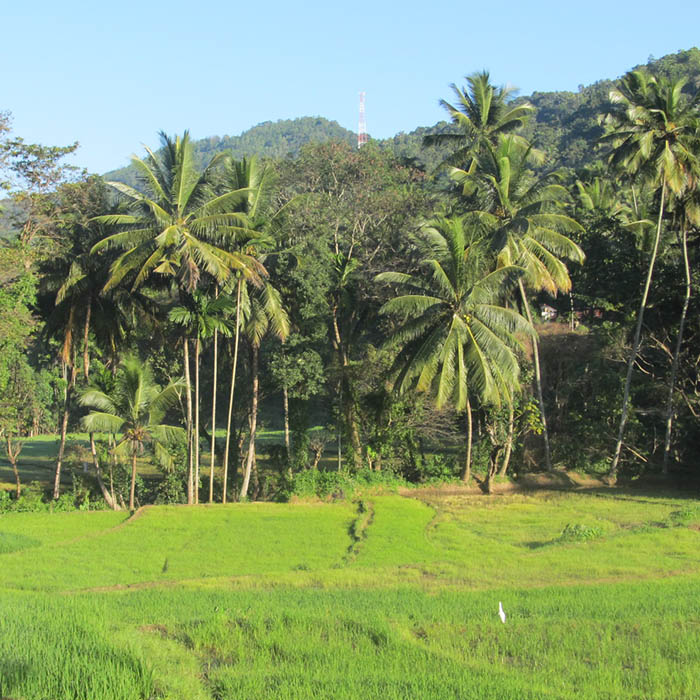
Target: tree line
[{"x": 387, "y": 318}]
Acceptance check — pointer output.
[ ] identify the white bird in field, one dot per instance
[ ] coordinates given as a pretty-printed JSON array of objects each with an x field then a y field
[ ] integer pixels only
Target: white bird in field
[{"x": 501, "y": 612}]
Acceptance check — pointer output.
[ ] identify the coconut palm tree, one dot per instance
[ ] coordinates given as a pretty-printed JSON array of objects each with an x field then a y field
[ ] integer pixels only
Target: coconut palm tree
[
  {"x": 482, "y": 113},
  {"x": 650, "y": 127},
  {"x": 266, "y": 314},
  {"x": 179, "y": 229},
  {"x": 455, "y": 338},
  {"x": 71, "y": 298},
  {"x": 203, "y": 316},
  {"x": 135, "y": 410},
  {"x": 688, "y": 208},
  {"x": 248, "y": 175},
  {"x": 524, "y": 217}
]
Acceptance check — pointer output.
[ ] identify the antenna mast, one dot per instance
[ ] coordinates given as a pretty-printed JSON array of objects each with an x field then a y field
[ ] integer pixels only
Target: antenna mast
[{"x": 362, "y": 127}]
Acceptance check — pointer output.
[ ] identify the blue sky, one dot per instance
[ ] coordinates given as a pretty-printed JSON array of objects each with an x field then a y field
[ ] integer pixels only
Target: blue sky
[{"x": 111, "y": 75}]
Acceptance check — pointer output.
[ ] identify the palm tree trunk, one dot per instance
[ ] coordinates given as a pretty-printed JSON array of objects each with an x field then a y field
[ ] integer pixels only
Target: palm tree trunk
[
  {"x": 347, "y": 405},
  {"x": 109, "y": 498},
  {"x": 677, "y": 354},
  {"x": 64, "y": 431},
  {"x": 509, "y": 439},
  {"x": 492, "y": 468},
  {"x": 12, "y": 454},
  {"x": 86, "y": 338},
  {"x": 213, "y": 419},
  {"x": 254, "y": 475},
  {"x": 253, "y": 423},
  {"x": 188, "y": 391},
  {"x": 612, "y": 474},
  {"x": 340, "y": 432},
  {"x": 110, "y": 444},
  {"x": 233, "y": 386},
  {"x": 197, "y": 345},
  {"x": 467, "y": 473},
  {"x": 132, "y": 490},
  {"x": 538, "y": 380},
  {"x": 287, "y": 441}
]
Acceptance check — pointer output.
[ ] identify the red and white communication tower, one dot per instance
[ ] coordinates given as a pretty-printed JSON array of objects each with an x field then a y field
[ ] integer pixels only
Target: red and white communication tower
[{"x": 362, "y": 127}]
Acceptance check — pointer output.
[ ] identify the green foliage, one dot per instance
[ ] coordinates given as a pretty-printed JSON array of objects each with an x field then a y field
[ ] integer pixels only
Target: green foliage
[
  {"x": 454, "y": 335},
  {"x": 17, "y": 295},
  {"x": 578, "y": 532},
  {"x": 685, "y": 516},
  {"x": 315, "y": 483},
  {"x": 482, "y": 114},
  {"x": 34, "y": 499},
  {"x": 438, "y": 469},
  {"x": 269, "y": 140}
]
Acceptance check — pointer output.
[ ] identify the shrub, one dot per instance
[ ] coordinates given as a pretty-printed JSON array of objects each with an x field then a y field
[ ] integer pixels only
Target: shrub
[
  {"x": 685, "y": 516},
  {"x": 578, "y": 532},
  {"x": 312, "y": 483}
]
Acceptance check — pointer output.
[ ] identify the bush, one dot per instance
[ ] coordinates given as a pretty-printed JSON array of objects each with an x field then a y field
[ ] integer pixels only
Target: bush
[
  {"x": 685, "y": 516},
  {"x": 170, "y": 489},
  {"x": 437, "y": 468},
  {"x": 312, "y": 483},
  {"x": 577, "y": 532}
]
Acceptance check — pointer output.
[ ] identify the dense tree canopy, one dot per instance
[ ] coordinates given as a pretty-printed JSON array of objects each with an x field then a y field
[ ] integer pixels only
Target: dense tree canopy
[{"x": 313, "y": 306}]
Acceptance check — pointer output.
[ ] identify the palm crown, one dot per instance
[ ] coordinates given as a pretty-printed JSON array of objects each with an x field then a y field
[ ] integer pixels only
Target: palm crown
[
  {"x": 456, "y": 336},
  {"x": 523, "y": 214},
  {"x": 135, "y": 409},
  {"x": 649, "y": 130},
  {"x": 482, "y": 113},
  {"x": 181, "y": 226}
]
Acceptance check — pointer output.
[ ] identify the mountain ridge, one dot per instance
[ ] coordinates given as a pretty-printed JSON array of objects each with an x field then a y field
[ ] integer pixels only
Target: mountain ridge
[{"x": 565, "y": 126}]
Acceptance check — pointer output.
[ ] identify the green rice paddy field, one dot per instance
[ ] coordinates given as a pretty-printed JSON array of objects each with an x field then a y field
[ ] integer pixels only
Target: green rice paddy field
[{"x": 385, "y": 597}]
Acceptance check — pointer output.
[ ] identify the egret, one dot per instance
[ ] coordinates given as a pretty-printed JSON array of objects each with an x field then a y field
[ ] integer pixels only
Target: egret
[{"x": 501, "y": 612}]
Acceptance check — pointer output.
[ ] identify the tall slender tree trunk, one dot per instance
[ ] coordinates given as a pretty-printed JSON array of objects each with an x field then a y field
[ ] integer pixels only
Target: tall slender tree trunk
[
  {"x": 287, "y": 439},
  {"x": 86, "y": 340},
  {"x": 612, "y": 474},
  {"x": 197, "y": 346},
  {"x": 253, "y": 422},
  {"x": 351, "y": 422},
  {"x": 509, "y": 439},
  {"x": 111, "y": 444},
  {"x": 213, "y": 418},
  {"x": 64, "y": 430},
  {"x": 106, "y": 493},
  {"x": 188, "y": 400},
  {"x": 340, "y": 432},
  {"x": 132, "y": 490},
  {"x": 538, "y": 380},
  {"x": 13, "y": 450},
  {"x": 677, "y": 353},
  {"x": 467, "y": 473},
  {"x": 234, "y": 366},
  {"x": 346, "y": 398},
  {"x": 109, "y": 497},
  {"x": 255, "y": 481}
]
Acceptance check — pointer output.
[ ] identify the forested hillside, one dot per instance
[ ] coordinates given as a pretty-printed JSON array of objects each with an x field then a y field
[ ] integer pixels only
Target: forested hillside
[
  {"x": 566, "y": 126},
  {"x": 267, "y": 140}
]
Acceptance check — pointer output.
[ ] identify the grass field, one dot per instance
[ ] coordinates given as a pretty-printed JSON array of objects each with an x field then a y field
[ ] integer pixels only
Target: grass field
[{"x": 386, "y": 597}]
